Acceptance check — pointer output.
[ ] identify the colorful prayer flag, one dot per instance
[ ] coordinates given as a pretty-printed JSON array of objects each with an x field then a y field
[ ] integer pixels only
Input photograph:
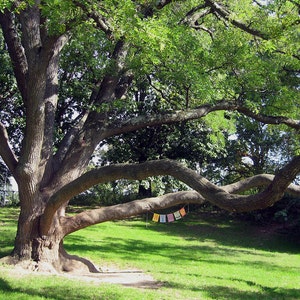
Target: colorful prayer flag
[
  {"x": 162, "y": 218},
  {"x": 155, "y": 217},
  {"x": 182, "y": 212},
  {"x": 177, "y": 215},
  {"x": 170, "y": 217}
]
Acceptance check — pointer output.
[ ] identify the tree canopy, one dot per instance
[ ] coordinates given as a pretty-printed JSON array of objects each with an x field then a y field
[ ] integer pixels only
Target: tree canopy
[{"x": 73, "y": 70}]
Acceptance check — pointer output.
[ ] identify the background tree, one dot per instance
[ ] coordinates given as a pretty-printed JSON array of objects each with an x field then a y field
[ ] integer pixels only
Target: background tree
[
  {"x": 202, "y": 56},
  {"x": 253, "y": 149},
  {"x": 189, "y": 142}
]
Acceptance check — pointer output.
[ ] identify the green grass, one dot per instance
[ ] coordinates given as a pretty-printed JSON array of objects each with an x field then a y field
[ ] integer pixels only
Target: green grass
[{"x": 198, "y": 257}]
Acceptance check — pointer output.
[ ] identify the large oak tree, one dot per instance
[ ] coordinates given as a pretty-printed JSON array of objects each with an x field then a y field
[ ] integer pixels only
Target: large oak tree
[{"x": 77, "y": 65}]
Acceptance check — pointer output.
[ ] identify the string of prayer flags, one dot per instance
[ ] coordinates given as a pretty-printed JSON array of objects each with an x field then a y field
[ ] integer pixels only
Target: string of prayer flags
[{"x": 171, "y": 217}]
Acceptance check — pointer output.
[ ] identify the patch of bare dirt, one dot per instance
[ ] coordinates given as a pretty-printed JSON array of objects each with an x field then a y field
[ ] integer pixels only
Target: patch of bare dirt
[{"x": 129, "y": 278}]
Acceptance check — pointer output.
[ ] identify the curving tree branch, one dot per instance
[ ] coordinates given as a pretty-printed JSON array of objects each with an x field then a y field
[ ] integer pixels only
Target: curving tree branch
[
  {"x": 275, "y": 120},
  {"x": 133, "y": 208},
  {"x": 101, "y": 22},
  {"x": 93, "y": 11},
  {"x": 225, "y": 14},
  {"x": 194, "y": 16},
  {"x": 69, "y": 137},
  {"x": 193, "y": 114},
  {"x": 209, "y": 191},
  {"x": 256, "y": 181},
  {"x": 15, "y": 49},
  {"x": 6, "y": 152}
]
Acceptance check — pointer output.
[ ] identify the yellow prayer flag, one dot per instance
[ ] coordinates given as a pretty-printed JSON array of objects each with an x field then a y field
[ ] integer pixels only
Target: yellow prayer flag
[{"x": 155, "y": 217}]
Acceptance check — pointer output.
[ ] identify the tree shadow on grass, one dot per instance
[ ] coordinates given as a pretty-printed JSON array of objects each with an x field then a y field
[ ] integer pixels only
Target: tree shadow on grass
[
  {"x": 54, "y": 291},
  {"x": 230, "y": 232},
  {"x": 49, "y": 292},
  {"x": 222, "y": 292},
  {"x": 132, "y": 250},
  {"x": 222, "y": 231},
  {"x": 239, "y": 239}
]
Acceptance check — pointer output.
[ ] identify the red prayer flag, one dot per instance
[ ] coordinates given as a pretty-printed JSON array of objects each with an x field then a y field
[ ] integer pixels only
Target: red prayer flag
[{"x": 182, "y": 212}]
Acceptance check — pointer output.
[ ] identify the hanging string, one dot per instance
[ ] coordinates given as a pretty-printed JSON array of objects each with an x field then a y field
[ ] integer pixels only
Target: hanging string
[
  {"x": 169, "y": 217},
  {"x": 147, "y": 218}
]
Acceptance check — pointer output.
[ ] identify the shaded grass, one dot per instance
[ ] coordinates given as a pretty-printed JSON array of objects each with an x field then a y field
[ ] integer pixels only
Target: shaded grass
[
  {"x": 208, "y": 259},
  {"x": 200, "y": 257},
  {"x": 53, "y": 287}
]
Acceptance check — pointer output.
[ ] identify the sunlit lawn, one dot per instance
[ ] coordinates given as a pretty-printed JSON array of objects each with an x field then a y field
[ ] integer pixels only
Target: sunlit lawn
[{"x": 198, "y": 257}]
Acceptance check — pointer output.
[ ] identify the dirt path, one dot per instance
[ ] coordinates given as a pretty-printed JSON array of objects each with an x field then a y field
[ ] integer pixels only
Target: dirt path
[{"x": 128, "y": 278}]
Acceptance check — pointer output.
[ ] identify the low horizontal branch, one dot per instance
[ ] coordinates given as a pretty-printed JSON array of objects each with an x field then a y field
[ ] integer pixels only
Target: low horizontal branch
[
  {"x": 210, "y": 192},
  {"x": 129, "y": 209}
]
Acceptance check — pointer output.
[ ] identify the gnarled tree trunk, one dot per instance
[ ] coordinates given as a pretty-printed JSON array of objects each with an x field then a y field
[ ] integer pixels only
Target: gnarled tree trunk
[{"x": 44, "y": 252}]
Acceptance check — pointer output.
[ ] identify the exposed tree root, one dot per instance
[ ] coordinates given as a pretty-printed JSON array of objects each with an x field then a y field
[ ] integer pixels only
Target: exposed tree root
[
  {"x": 66, "y": 264},
  {"x": 76, "y": 264}
]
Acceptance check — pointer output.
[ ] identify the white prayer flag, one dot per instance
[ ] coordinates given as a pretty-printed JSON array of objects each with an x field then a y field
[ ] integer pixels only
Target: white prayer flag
[
  {"x": 177, "y": 215},
  {"x": 162, "y": 218}
]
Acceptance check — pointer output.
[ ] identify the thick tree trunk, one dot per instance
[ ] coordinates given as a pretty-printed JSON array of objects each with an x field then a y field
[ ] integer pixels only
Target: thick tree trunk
[{"x": 43, "y": 253}]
